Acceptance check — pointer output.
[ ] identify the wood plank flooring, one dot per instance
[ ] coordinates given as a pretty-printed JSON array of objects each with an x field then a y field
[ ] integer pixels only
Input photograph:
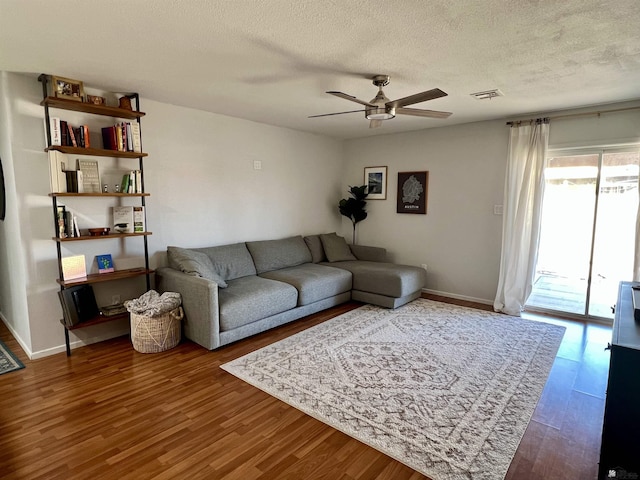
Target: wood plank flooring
[{"x": 108, "y": 412}]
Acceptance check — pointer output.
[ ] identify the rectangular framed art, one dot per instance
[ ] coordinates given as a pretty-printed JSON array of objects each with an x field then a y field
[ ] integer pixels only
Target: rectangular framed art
[
  {"x": 67, "y": 88},
  {"x": 375, "y": 178},
  {"x": 412, "y": 192}
]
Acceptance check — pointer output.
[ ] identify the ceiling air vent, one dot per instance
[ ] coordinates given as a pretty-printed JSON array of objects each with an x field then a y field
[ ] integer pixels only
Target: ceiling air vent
[{"x": 487, "y": 94}]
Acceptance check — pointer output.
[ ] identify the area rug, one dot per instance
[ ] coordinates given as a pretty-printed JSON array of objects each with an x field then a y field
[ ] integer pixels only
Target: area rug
[
  {"x": 446, "y": 390},
  {"x": 8, "y": 361}
]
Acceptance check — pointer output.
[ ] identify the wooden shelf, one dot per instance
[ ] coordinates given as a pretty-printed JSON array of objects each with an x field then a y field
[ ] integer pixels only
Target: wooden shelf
[
  {"x": 96, "y": 321},
  {"x": 98, "y": 194},
  {"x": 96, "y": 152},
  {"x": 64, "y": 104},
  {"x": 99, "y": 237},
  {"x": 106, "y": 277}
]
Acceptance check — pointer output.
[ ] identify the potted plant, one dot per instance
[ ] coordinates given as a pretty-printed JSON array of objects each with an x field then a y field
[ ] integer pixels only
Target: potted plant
[{"x": 353, "y": 208}]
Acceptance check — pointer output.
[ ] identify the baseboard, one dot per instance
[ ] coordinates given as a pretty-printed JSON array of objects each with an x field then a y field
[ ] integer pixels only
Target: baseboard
[
  {"x": 79, "y": 343},
  {"x": 24, "y": 347},
  {"x": 458, "y": 297}
]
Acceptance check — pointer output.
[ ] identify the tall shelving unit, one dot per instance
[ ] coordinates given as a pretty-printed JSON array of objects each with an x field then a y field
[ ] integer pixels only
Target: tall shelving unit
[{"x": 51, "y": 102}]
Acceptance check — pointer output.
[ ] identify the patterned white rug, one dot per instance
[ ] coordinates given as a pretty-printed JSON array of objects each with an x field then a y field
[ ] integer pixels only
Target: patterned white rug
[{"x": 444, "y": 389}]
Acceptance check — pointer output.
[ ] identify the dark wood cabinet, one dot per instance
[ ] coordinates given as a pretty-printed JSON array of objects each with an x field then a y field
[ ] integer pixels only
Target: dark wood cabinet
[{"x": 620, "y": 451}]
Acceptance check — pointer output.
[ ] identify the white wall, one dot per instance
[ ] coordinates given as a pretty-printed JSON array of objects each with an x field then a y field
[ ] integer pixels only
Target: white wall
[
  {"x": 13, "y": 296},
  {"x": 459, "y": 238},
  {"x": 204, "y": 191}
]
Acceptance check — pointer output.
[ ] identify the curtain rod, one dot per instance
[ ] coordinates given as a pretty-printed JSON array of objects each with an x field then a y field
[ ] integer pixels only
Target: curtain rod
[{"x": 571, "y": 115}]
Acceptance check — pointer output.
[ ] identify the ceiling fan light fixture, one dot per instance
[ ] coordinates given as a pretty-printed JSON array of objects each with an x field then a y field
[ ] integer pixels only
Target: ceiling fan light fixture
[{"x": 380, "y": 113}]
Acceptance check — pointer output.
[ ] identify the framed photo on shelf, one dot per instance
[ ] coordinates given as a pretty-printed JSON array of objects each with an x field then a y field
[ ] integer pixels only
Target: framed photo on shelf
[
  {"x": 375, "y": 178},
  {"x": 412, "y": 192},
  {"x": 105, "y": 263},
  {"x": 67, "y": 88}
]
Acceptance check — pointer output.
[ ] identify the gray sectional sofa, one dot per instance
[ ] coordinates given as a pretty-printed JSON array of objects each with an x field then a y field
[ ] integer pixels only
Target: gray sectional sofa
[{"x": 230, "y": 292}]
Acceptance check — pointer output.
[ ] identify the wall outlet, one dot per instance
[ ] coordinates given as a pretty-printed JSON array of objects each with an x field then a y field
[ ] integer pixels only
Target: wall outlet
[
  {"x": 424, "y": 265},
  {"x": 115, "y": 299}
]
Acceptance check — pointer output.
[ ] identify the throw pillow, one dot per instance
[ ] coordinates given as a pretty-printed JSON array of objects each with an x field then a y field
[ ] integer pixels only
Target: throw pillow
[
  {"x": 193, "y": 263},
  {"x": 315, "y": 245},
  {"x": 336, "y": 248}
]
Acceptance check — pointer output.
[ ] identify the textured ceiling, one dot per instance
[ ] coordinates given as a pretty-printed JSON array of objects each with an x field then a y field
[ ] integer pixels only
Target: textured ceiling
[{"x": 272, "y": 60}]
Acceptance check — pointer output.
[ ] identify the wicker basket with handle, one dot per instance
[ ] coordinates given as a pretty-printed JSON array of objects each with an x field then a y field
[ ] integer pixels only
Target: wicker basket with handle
[{"x": 156, "y": 334}]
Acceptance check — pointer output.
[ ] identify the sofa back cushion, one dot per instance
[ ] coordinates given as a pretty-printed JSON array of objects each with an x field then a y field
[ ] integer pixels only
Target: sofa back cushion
[
  {"x": 193, "y": 262},
  {"x": 230, "y": 261},
  {"x": 271, "y": 255}
]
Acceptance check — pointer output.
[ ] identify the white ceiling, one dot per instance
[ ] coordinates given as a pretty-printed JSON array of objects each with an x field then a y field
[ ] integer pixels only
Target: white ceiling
[{"x": 272, "y": 60}]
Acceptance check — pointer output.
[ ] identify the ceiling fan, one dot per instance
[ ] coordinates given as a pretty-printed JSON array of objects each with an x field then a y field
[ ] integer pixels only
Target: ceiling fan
[{"x": 381, "y": 108}]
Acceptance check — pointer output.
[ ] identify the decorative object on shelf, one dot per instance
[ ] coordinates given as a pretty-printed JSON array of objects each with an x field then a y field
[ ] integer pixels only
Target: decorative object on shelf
[
  {"x": 375, "y": 178},
  {"x": 138, "y": 220},
  {"x": 412, "y": 192},
  {"x": 125, "y": 103},
  {"x": 96, "y": 100},
  {"x": 113, "y": 310},
  {"x": 353, "y": 208},
  {"x": 74, "y": 268},
  {"x": 97, "y": 232},
  {"x": 105, "y": 263},
  {"x": 67, "y": 88}
]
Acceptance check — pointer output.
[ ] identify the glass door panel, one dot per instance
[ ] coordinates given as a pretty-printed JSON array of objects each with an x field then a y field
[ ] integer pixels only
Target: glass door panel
[
  {"x": 614, "y": 238},
  {"x": 564, "y": 252}
]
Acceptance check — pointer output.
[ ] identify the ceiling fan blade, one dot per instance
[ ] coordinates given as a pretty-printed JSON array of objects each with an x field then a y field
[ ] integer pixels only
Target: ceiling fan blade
[
  {"x": 351, "y": 98},
  {"x": 422, "y": 113},
  {"x": 375, "y": 123},
  {"x": 337, "y": 113},
  {"x": 417, "y": 98}
]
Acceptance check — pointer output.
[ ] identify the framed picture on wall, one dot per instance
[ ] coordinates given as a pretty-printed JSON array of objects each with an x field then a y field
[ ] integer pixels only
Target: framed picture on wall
[
  {"x": 375, "y": 178},
  {"x": 412, "y": 192}
]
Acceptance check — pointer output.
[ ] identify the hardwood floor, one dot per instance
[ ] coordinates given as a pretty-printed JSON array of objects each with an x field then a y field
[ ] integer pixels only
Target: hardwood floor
[{"x": 108, "y": 412}]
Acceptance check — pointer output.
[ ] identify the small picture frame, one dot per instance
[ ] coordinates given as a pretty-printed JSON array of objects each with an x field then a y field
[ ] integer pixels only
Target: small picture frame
[
  {"x": 412, "y": 192},
  {"x": 375, "y": 178},
  {"x": 105, "y": 263},
  {"x": 96, "y": 100},
  {"x": 67, "y": 88}
]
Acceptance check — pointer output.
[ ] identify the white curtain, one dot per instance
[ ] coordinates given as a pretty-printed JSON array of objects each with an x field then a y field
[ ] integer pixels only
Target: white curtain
[
  {"x": 636, "y": 256},
  {"x": 524, "y": 188}
]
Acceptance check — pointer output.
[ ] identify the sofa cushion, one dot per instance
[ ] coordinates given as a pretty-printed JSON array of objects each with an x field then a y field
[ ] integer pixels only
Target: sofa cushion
[
  {"x": 193, "y": 262},
  {"x": 385, "y": 278},
  {"x": 313, "y": 282},
  {"x": 336, "y": 248},
  {"x": 230, "y": 261},
  {"x": 252, "y": 298},
  {"x": 276, "y": 254},
  {"x": 315, "y": 247}
]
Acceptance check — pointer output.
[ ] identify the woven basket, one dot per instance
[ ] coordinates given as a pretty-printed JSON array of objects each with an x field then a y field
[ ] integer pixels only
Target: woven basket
[{"x": 156, "y": 334}]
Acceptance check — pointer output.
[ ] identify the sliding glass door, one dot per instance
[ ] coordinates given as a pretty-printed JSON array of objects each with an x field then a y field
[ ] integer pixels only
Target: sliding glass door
[{"x": 587, "y": 232}]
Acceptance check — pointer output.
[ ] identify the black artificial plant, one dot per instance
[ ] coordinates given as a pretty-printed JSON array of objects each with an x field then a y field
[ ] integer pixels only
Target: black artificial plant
[{"x": 353, "y": 208}]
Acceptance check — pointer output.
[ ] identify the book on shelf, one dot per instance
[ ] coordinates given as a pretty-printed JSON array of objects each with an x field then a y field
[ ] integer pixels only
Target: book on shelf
[
  {"x": 109, "y": 140},
  {"x": 90, "y": 175},
  {"x": 105, "y": 263},
  {"x": 72, "y": 136},
  {"x": 124, "y": 186},
  {"x": 74, "y": 181},
  {"x": 85, "y": 136},
  {"x": 123, "y": 219},
  {"x": 64, "y": 134},
  {"x": 138, "y": 220},
  {"x": 57, "y": 176},
  {"x": 61, "y": 218},
  {"x": 78, "y": 304},
  {"x": 74, "y": 268},
  {"x": 135, "y": 137},
  {"x": 54, "y": 131}
]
